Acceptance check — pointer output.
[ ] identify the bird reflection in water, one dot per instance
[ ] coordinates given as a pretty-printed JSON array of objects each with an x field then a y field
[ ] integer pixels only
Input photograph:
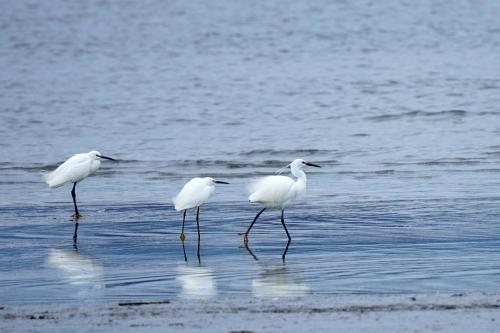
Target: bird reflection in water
[
  {"x": 278, "y": 281},
  {"x": 197, "y": 282},
  {"x": 77, "y": 269},
  {"x": 250, "y": 252}
]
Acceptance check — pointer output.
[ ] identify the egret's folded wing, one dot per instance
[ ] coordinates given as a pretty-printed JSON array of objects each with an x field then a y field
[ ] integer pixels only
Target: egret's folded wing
[
  {"x": 193, "y": 194},
  {"x": 74, "y": 169},
  {"x": 270, "y": 189}
]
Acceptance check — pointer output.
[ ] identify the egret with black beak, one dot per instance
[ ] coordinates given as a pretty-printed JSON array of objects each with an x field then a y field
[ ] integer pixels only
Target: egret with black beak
[
  {"x": 194, "y": 194},
  {"x": 277, "y": 192},
  {"x": 73, "y": 170}
]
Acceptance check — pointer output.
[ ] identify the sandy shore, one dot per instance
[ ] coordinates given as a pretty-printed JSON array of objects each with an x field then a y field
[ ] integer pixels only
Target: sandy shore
[{"x": 443, "y": 313}]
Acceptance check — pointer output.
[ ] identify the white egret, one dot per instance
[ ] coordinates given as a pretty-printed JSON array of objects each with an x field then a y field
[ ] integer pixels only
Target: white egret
[
  {"x": 277, "y": 192},
  {"x": 75, "y": 169},
  {"x": 194, "y": 194}
]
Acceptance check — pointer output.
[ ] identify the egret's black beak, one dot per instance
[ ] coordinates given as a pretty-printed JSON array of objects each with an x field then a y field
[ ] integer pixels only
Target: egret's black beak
[
  {"x": 312, "y": 164},
  {"x": 220, "y": 182},
  {"x": 106, "y": 158}
]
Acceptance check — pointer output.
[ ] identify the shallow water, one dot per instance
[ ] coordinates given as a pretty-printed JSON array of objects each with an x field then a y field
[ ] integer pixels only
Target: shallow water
[{"x": 397, "y": 101}]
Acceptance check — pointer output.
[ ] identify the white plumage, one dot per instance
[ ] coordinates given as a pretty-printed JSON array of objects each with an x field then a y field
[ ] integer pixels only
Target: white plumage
[
  {"x": 74, "y": 169},
  {"x": 195, "y": 193},
  {"x": 275, "y": 191}
]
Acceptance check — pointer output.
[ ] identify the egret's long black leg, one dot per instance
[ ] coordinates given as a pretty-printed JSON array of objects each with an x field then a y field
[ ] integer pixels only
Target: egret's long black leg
[
  {"x": 73, "y": 194},
  {"x": 286, "y": 230},
  {"x": 182, "y": 237},
  {"x": 76, "y": 215},
  {"x": 245, "y": 235},
  {"x": 198, "y": 226}
]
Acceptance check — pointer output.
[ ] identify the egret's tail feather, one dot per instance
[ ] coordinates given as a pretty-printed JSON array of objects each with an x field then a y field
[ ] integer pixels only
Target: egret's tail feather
[
  {"x": 252, "y": 197},
  {"x": 47, "y": 176},
  {"x": 254, "y": 188},
  {"x": 52, "y": 179},
  {"x": 174, "y": 201}
]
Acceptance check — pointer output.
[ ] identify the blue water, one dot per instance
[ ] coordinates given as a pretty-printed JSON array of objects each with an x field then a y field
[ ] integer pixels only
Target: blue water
[{"x": 398, "y": 101}]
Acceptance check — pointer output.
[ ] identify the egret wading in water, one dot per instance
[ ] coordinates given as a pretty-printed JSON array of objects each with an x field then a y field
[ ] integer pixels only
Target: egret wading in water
[
  {"x": 277, "y": 192},
  {"x": 194, "y": 194},
  {"x": 73, "y": 170}
]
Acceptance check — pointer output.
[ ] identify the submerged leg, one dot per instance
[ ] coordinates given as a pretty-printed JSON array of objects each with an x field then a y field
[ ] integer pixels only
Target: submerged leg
[
  {"x": 76, "y": 215},
  {"x": 245, "y": 235},
  {"x": 286, "y": 230},
  {"x": 286, "y": 250},
  {"x": 198, "y": 226},
  {"x": 182, "y": 237},
  {"x": 245, "y": 246},
  {"x": 184, "y": 250},
  {"x": 75, "y": 233}
]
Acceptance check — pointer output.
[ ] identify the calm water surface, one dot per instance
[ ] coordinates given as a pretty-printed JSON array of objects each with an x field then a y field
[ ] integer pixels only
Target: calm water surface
[{"x": 398, "y": 101}]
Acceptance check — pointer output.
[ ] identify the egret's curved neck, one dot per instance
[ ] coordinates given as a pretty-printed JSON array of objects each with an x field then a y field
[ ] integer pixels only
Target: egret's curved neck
[
  {"x": 299, "y": 187},
  {"x": 301, "y": 175}
]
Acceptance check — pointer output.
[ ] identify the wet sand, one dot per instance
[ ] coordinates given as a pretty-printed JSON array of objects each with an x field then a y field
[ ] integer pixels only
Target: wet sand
[{"x": 429, "y": 313}]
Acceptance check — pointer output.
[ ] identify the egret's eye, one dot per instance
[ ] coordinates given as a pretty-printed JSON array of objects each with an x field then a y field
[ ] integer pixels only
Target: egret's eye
[{"x": 303, "y": 162}]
